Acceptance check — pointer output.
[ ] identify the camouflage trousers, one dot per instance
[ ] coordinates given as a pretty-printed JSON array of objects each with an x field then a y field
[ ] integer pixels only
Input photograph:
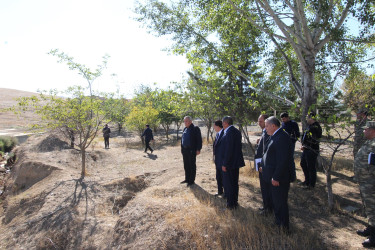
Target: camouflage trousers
[{"x": 367, "y": 188}]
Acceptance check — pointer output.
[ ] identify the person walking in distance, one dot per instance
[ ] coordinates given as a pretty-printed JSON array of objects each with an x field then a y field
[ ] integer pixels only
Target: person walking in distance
[
  {"x": 147, "y": 133},
  {"x": 217, "y": 154},
  {"x": 106, "y": 135},
  {"x": 310, "y": 150},
  {"x": 364, "y": 170},
  {"x": 232, "y": 161},
  {"x": 261, "y": 147},
  {"x": 191, "y": 145}
]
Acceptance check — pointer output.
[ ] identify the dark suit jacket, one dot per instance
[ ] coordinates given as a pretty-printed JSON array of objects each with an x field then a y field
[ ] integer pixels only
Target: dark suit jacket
[
  {"x": 278, "y": 158},
  {"x": 262, "y": 144},
  {"x": 195, "y": 138},
  {"x": 148, "y": 134},
  {"x": 218, "y": 150},
  {"x": 232, "y": 149}
]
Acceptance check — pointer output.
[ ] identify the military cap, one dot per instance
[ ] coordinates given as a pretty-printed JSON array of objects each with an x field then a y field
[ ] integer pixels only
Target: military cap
[{"x": 369, "y": 124}]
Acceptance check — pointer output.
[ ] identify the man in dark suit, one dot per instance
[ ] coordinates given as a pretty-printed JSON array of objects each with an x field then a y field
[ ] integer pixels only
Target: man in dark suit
[
  {"x": 217, "y": 153},
  {"x": 148, "y": 137},
  {"x": 106, "y": 135},
  {"x": 278, "y": 170},
  {"x": 191, "y": 145},
  {"x": 232, "y": 161},
  {"x": 261, "y": 147}
]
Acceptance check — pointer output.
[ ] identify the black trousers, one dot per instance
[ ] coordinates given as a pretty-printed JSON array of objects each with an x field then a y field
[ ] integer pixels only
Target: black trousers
[
  {"x": 230, "y": 181},
  {"x": 280, "y": 204},
  {"x": 266, "y": 194},
  {"x": 148, "y": 146},
  {"x": 219, "y": 180},
  {"x": 308, "y": 165},
  {"x": 106, "y": 142},
  {"x": 189, "y": 156}
]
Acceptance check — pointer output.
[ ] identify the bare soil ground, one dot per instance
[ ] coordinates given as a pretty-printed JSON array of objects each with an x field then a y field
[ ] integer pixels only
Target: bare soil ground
[{"x": 133, "y": 200}]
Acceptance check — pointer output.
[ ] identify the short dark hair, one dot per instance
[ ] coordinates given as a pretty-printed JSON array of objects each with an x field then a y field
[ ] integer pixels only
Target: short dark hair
[
  {"x": 273, "y": 120},
  {"x": 147, "y": 125},
  {"x": 265, "y": 116},
  {"x": 228, "y": 120},
  {"x": 284, "y": 114},
  {"x": 219, "y": 123}
]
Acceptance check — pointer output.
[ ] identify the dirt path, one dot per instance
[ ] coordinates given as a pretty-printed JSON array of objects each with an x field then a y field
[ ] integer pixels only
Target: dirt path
[{"x": 133, "y": 200}]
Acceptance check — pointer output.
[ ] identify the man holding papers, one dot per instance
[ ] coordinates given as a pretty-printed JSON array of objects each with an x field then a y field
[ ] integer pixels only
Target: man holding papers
[{"x": 261, "y": 145}]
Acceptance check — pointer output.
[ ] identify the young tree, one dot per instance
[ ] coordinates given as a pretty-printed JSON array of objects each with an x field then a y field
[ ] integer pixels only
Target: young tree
[
  {"x": 76, "y": 113},
  {"x": 338, "y": 132},
  {"x": 140, "y": 115},
  {"x": 166, "y": 102},
  {"x": 84, "y": 71},
  {"x": 118, "y": 109}
]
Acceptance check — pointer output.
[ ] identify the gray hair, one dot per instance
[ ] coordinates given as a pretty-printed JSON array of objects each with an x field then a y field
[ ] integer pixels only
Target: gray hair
[
  {"x": 189, "y": 118},
  {"x": 273, "y": 120},
  {"x": 228, "y": 120}
]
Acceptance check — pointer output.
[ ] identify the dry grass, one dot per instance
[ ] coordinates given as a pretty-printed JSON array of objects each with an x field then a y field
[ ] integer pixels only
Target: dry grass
[{"x": 210, "y": 227}]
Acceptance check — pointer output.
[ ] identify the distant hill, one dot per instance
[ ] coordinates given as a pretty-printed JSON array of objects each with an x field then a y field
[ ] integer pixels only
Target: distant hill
[{"x": 8, "y": 120}]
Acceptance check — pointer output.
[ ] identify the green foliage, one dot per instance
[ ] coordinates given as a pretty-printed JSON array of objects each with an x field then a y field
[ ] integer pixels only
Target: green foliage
[
  {"x": 359, "y": 91},
  {"x": 117, "y": 109},
  {"x": 304, "y": 46},
  {"x": 84, "y": 71},
  {"x": 76, "y": 114},
  {"x": 7, "y": 143},
  {"x": 139, "y": 116}
]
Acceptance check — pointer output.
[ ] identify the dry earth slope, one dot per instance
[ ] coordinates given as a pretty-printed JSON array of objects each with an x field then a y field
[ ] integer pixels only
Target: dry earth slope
[{"x": 133, "y": 200}]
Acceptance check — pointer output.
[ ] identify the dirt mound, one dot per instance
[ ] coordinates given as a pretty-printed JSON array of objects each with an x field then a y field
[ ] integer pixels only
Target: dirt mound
[
  {"x": 27, "y": 174},
  {"x": 52, "y": 143}
]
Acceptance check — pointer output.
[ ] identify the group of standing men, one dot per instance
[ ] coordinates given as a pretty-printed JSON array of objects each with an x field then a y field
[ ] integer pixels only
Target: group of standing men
[
  {"x": 227, "y": 152},
  {"x": 274, "y": 156},
  {"x": 275, "y": 161}
]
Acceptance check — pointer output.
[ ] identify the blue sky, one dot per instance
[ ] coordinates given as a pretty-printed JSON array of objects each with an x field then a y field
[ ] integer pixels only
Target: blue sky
[{"x": 85, "y": 30}]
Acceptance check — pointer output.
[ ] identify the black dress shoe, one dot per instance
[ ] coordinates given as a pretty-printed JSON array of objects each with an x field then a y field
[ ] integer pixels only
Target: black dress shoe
[
  {"x": 218, "y": 194},
  {"x": 370, "y": 242},
  {"x": 365, "y": 232},
  {"x": 182, "y": 182},
  {"x": 261, "y": 209}
]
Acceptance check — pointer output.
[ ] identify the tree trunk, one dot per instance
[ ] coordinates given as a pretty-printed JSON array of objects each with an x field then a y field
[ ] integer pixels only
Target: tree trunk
[
  {"x": 167, "y": 132},
  {"x": 119, "y": 128},
  {"x": 329, "y": 189},
  {"x": 83, "y": 156},
  {"x": 178, "y": 125},
  {"x": 310, "y": 94}
]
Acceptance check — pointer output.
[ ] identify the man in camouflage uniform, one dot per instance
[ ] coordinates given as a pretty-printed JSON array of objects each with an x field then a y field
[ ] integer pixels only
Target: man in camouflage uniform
[{"x": 365, "y": 175}]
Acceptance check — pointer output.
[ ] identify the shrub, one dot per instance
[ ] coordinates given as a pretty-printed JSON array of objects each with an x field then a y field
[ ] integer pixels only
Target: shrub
[{"x": 7, "y": 143}]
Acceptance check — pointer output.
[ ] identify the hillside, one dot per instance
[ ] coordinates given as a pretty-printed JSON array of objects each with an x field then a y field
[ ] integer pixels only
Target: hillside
[
  {"x": 133, "y": 200},
  {"x": 9, "y": 122}
]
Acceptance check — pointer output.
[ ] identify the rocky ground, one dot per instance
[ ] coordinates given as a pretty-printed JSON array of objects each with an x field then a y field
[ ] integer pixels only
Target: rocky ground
[{"x": 133, "y": 200}]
